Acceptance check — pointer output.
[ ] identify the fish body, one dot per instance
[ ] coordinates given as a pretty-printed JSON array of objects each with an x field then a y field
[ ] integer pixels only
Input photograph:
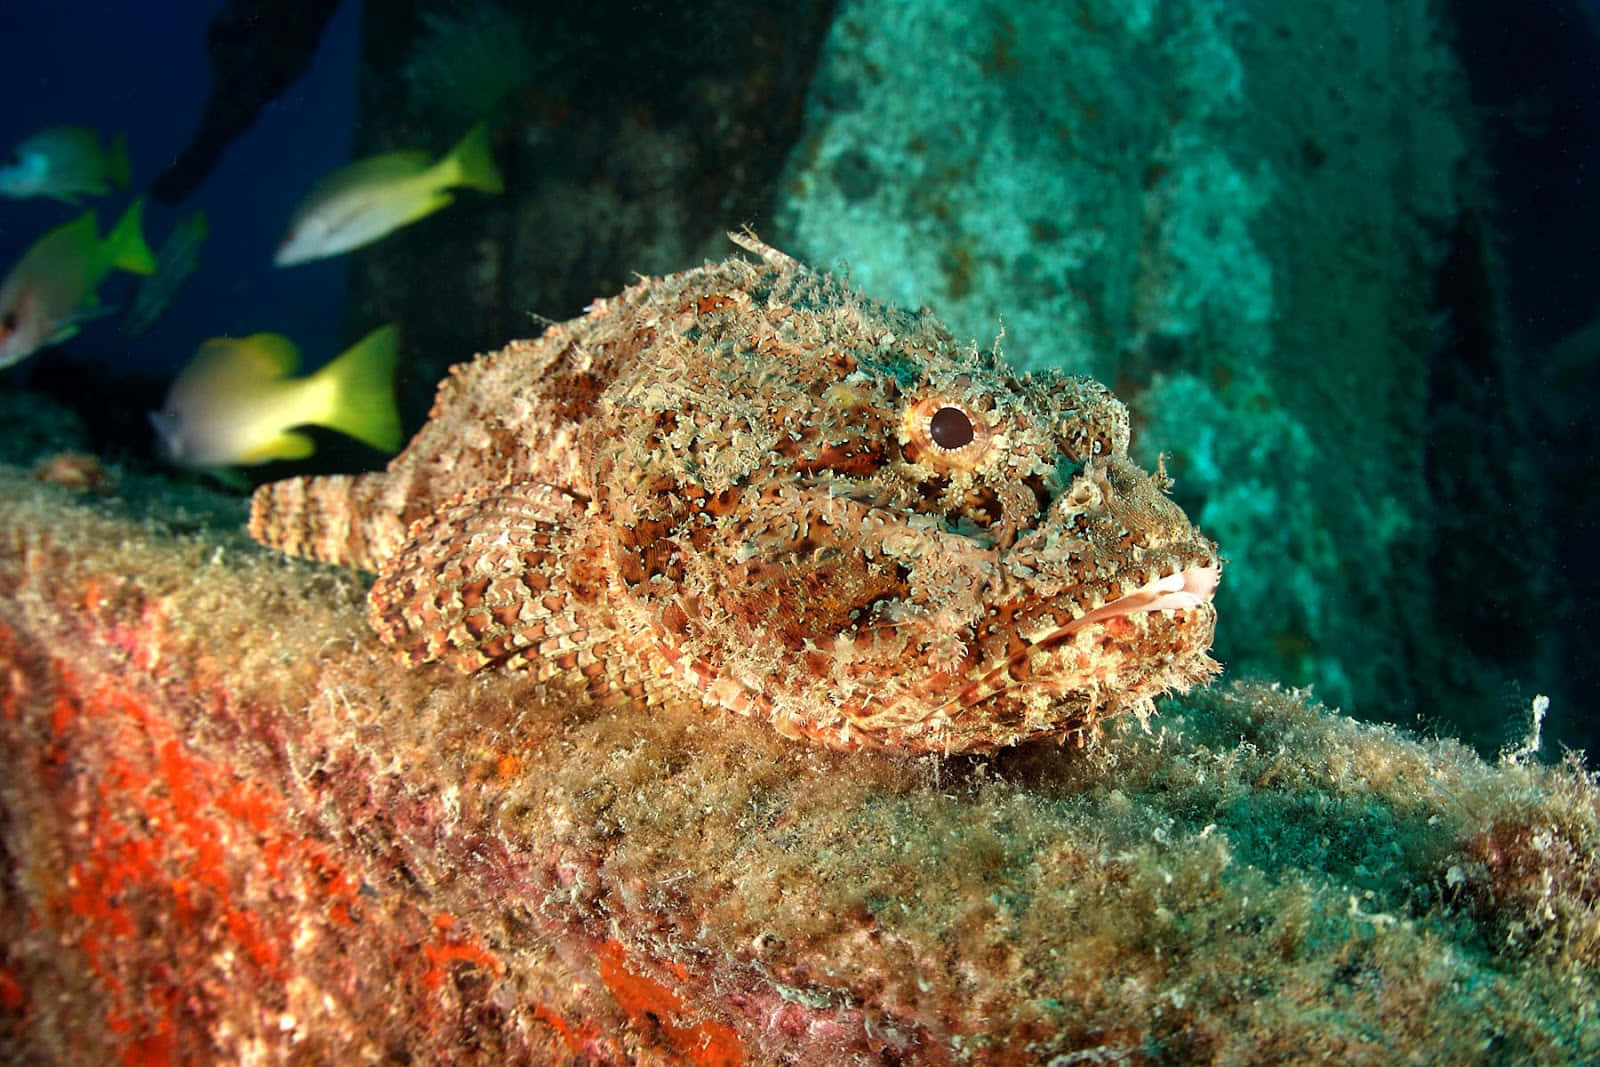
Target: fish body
[
  {"x": 748, "y": 487},
  {"x": 237, "y": 402},
  {"x": 176, "y": 259},
  {"x": 51, "y": 290},
  {"x": 371, "y": 198},
  {"x": 64, "y": 162}
]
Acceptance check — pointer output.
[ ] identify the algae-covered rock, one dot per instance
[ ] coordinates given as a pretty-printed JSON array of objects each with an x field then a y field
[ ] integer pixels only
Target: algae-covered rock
[{"x": 234, "y": 831}]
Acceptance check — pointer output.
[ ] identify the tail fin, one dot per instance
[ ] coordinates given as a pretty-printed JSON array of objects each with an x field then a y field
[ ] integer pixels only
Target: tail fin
[
  {"x": 339, "y": 518},
  {"x": 125, "y": 243},
  {"x": 360, "y": 390},
  {"x": 117, "y": 170},
  {"x": 470, "y": 163}
]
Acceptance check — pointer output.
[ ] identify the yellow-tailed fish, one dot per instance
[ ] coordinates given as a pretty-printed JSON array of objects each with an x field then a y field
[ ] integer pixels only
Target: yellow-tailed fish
[
  {"x": 236, "y": 403},
  {"x": 51, "y": 290},
  {"x": 65, "y": 162},
  {"x": 176, "y": 259},
  {"x": 359, "y": 203}
]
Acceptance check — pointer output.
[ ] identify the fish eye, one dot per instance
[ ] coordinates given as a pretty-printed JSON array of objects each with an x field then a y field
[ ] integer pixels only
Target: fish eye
[
  {"x": 950, "y": 428},
  {"x": 9, "y": 322},
  {"x": 947, "y": 435}
]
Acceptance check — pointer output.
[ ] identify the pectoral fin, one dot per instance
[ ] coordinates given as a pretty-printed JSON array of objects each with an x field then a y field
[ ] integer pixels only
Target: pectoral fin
[{"x": 484, "y": 581}]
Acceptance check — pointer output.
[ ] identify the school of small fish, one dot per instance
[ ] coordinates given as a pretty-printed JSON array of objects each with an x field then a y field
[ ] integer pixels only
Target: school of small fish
[{"x": 237, "y": 402}]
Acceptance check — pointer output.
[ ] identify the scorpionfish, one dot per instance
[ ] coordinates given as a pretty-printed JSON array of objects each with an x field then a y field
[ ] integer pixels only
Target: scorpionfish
[{"x": 746, "y": 485}]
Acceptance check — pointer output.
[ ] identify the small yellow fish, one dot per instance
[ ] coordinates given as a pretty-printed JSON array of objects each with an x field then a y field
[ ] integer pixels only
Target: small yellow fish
[
  {"x": 51, "y": 290},
  {"x": 235, "y": 403},
  {"x": 371, "y": 198},
  {"x": 65, "y": 162}
]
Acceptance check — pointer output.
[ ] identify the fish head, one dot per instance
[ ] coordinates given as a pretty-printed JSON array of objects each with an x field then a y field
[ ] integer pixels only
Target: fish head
[
  {"x": 201, "y": 405},
  {"x": 194, "y": 434},
  {"x": 201, "y": 410},
  {"x": 306, "y": 238},
  {"x": 847, "y": 523},
  {"x": 171, "y": 443},
  {"x": 24, "y": 173},
  {"x": 23, "y": 329}
]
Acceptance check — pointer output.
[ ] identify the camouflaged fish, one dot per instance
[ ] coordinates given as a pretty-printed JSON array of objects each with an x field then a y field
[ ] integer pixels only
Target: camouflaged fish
[{"x": 748, "y": 486}]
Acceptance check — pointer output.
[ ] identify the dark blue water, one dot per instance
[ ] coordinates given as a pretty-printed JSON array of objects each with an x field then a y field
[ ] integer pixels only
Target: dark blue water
[{"x": 141, "y": 70}]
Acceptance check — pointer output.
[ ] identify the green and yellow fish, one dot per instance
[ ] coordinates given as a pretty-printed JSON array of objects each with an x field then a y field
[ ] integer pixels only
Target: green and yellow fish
[
  {"x": 371, "y": 198},
  {"x": 65, "y": 162},
  {"x": 51, "y": 290},
  {"x": 236, "y": 403}
]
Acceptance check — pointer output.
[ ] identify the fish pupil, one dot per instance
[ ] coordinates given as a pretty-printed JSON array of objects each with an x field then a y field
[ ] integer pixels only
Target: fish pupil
[{"x": 950, "y": 428}]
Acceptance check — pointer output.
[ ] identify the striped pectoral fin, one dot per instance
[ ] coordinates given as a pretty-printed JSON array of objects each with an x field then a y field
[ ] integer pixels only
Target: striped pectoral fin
[
  {"x": 485, "y": 580},
  {"x": 339, "y": 518}
]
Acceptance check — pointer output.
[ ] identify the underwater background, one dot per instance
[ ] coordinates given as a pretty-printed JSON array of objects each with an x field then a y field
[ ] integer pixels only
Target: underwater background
[
  {"x": 1338, "y": 259},
  {"x": 1339, "y": 262},
  {"x": 142, "y": 73}
]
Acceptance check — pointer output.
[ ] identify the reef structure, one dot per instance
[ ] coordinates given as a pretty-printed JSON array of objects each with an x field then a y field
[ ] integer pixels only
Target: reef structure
[{"x": 232, "y": 831}]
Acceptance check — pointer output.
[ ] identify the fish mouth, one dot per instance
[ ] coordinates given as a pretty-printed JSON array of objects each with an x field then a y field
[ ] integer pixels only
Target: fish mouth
[
  {"x": 1185, "y": 590},
  {"x": 1181, "y": 591}
]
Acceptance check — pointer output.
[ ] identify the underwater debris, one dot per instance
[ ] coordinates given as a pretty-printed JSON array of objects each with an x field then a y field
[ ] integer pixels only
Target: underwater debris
[
  {"x": 256, "y": 48},
  {"x": 748, "y": 485}
]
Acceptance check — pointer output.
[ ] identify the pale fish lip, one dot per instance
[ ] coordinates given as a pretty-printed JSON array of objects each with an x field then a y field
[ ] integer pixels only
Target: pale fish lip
[{"x": 1188, "y": 588}]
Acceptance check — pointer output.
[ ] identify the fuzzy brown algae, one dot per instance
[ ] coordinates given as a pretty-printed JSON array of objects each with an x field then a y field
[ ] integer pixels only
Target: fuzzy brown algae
[{"x": 750, "y": 486}]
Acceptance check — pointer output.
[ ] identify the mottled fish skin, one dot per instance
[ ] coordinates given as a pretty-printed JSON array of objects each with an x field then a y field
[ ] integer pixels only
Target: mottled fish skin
[{"x": 748, "y": 486}]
